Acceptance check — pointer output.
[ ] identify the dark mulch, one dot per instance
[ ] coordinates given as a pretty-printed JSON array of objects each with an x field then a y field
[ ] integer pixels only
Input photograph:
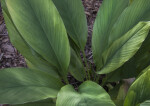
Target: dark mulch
[
  {"x": 91, "y": 8},
  {"x": 9, "y": 56}
]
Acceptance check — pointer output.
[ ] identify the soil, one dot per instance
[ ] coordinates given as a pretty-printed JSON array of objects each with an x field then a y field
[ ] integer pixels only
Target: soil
[{"x": 9, "y": 56}]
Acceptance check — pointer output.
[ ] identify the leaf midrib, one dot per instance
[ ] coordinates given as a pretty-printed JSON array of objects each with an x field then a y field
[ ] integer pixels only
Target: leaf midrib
[
  {"x": 54, "y": 52},
  {"x": 109, "y": 59}
]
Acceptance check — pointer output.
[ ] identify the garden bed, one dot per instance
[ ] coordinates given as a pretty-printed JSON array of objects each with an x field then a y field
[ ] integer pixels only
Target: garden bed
[{"x": 10, "y": 57}]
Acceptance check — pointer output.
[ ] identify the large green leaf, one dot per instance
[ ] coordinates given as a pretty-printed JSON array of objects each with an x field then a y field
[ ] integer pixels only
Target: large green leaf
[
  {"x": 47, "y": 102},
  {"x": 124, "y": 72},
  {"x": 135, "y": 65},
  {"x": 89, "y": 94},
  {"x": 139, "y": 90},
  {"x": 127, "y": 21},
  {"x": 41, "y": 26},
  {"x": 23, "y": 47},
  {"x": 21, "y": 85},
  {"x": 76, "y": 67},
  {"x": 130, "y": 69},
  {"x": 129, "y": 18},
  {"x": 146, "y": 103},
  {"x": 108, "y": 14},
  {"x": 72, "y": 13},
  {"x": 124, "y": 48}
]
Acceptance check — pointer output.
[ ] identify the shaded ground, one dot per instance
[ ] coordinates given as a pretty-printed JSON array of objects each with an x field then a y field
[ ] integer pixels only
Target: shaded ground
[
  {"x": 91, "y": 9},
  {"x": 9, "y": 56}
]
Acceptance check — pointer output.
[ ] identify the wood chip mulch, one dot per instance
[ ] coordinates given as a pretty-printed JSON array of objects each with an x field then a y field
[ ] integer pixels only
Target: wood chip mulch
[
  {"x": 9, "y": 56},
  {"x": 91, "y": 9}
]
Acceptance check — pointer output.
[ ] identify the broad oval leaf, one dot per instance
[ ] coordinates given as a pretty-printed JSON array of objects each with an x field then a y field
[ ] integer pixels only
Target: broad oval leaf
[
  {"x": 108, "y": 14},
  {"x": 23, "y": 47},
  {"x": 21, "y": 85},
  {"x": 41, "y": 26},
  {"x": 89, "y": 94},
  {"x": 124, "y": 48},
  {"x": 72, "y": 13},
  {"x": 139, "y": 90}
]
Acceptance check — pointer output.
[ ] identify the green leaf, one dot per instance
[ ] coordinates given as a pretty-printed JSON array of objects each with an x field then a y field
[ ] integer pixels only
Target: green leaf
[
  {"x": 108, "y": 14},
  {"x": 72, "y": 13},
  {"x": 134, "y": 66},
  {"x": 124, "y": 48},
  {"x": 41, "y": 26},
  {"x": 130, "y": 69},
  {"x": 127, "y": 21},
  {"x": 124, "y": 72},
  {"x": 21, "y": 85},
  {"x": 129, "y": 18},
  {"x": 139, "y": 90},
  {"x": 47, "y": 102},
  {"x": 23, "y": 47},
  {"x": 146, "y": 103},
  {"x": 119, "y": 92},
  {"x": 117, "y": 95},
  {"x": 143, "y": 71},
  {"x": 76, "y": 67},
  {"x": 89, "y": 94}
]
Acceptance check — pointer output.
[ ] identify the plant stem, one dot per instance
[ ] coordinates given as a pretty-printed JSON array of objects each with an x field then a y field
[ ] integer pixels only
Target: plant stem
[
  {"x": 67, "y": 82},
  {"x": 83, "y": 66},
  {"x": 104, "y": 81},
  {"x": 97, "y": 78},
  {"x": 86, "y": 65}
]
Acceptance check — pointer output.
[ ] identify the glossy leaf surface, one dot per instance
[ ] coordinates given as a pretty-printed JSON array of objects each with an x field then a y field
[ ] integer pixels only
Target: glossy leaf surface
[
  {"x": 135, "y": 65},
  {"x": 130, "y": 17},
  {"x": 124, "y": 22},
  {"x": 124, "y": 48},
  {"x": 108, "y": 14},
  {"x": 89, "y": 94}
]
